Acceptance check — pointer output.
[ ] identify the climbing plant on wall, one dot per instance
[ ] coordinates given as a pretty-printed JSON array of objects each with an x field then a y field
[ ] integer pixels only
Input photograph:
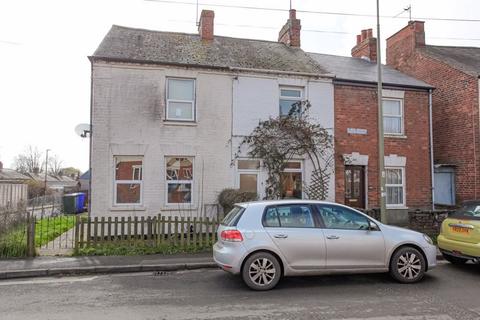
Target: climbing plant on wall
[{"x": 281, "y": 139}]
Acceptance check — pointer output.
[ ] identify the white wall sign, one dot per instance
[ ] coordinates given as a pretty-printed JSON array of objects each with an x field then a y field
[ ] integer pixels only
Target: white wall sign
[{"x": 356, "y": 131}]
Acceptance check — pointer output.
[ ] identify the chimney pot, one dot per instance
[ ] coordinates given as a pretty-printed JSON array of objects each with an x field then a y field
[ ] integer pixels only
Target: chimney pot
[
  {"x": 359, "y": 38},
  {"x": 369, "y": 33},
  {"x": 364, "y": 34},
  {"x": 205, "y": 26},
  {"x": 293, "y": 14}
]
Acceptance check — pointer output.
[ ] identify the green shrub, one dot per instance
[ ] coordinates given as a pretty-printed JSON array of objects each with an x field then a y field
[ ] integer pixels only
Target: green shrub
[
  {"x": 14, "y": 243},
  {"x": 228, "y": 197},
  {"x": 137, "y": 249}
]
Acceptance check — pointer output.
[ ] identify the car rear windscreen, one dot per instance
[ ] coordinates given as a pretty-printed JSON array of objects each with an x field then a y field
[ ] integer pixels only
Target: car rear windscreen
[
  {"x": 233, "y": 216},
  {"x": 467, "y": 211}
]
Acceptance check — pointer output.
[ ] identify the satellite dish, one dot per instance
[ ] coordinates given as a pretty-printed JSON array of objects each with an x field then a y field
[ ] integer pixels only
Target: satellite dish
[{"x": 83, "y": 129}]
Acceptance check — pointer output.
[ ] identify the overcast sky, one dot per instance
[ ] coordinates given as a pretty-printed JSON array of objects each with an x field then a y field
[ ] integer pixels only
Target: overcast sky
[{"x": 45, "y": 73}]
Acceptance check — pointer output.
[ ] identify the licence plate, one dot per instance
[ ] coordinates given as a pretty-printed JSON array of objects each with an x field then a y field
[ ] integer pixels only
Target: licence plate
[{"x": 460, "y": 230}]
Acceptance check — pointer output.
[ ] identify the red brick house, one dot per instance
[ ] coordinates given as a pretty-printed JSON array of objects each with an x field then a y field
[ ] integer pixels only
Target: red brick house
[
  {"x": 406, "y": 125},
  {"x": 454, "y": 72}
]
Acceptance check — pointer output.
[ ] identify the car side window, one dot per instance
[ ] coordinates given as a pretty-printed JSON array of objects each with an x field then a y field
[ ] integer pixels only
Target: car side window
[
  {"x": 289, "y": 216},
  {"x": 271, "y": 218},
  {"x": 336, "y": 217}
]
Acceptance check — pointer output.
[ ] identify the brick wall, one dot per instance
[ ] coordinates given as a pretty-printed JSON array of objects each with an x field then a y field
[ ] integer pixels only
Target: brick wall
[
  {"x": 428, "y": 222},
  {"x": 455, "y": 108},
  {"x": 356, "y": 107}
]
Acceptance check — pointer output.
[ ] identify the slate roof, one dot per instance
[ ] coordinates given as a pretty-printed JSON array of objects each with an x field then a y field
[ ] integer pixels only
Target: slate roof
[
  {"x": 147, "y": 46},
  {"x": 466, "y": 59},
  {"x": 86, "y": 175},
  {"x": 12, "y": 175},
  {"x": 362, "y": 70}
]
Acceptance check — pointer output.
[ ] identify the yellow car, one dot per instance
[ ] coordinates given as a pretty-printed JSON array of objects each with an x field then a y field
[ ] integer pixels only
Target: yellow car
[{"x": 459, "y": 239}]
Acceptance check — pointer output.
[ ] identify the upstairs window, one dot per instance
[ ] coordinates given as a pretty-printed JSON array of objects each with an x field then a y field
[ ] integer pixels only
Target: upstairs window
[
  {"x": 392, "y": 116},
  {"x": 180, "y": 99},
  {"x": 288, "y": 97}
]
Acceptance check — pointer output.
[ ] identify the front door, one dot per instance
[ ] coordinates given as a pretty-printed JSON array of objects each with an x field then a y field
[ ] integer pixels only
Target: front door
[{"x": 355, "y": 186}]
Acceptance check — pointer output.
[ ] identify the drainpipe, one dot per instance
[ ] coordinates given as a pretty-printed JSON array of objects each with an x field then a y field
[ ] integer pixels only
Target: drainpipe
[{"x": 432, "y": 173}]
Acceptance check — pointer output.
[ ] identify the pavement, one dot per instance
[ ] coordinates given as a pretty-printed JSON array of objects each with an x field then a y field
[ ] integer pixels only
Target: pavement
[
  {"x": 44, "y": 266},
  {"x": 447, "y": 292},
  {"x": 55, "y": 266}
]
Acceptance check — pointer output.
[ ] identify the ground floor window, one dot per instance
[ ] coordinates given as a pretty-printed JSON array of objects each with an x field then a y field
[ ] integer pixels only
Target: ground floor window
[
  {"x": 128, "y": 180},
  {"x": 395, "y": 185},
  {"x": 291, "y": 179},
  {"x": 248, "y": 173},
  {"x": 179, "y": 179}
]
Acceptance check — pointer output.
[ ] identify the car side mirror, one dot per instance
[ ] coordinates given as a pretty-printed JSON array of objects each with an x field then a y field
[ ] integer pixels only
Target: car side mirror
[{"x": 372, "y": 226}]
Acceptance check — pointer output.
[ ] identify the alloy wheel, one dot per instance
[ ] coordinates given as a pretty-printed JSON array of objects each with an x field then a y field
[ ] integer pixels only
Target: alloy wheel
[
  {"x": 262, "y": 271},
  {"x": 409, "y": 265}
]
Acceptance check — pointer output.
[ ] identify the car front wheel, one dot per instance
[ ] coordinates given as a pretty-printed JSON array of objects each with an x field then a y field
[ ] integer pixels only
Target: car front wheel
[
  {"x": 261, "y": 271},
  {"x": 407, "y": 265}
]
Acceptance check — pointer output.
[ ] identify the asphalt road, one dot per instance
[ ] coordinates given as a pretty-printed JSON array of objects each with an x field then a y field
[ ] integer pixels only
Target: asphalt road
[{"x": 447, "y": 292}]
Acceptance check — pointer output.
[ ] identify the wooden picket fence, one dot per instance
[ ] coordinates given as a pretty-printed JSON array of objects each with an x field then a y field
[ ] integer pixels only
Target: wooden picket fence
[{"x": 149, "y": 231}]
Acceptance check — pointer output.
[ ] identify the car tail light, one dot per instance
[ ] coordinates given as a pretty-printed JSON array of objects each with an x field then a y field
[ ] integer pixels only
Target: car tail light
[{"x": 231, "y": 235}]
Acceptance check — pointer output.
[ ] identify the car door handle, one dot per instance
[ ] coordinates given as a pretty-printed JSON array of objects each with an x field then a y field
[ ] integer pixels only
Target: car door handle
[
  {"x": 281, "y": 236},
  {"x": 332, "y": 237}
]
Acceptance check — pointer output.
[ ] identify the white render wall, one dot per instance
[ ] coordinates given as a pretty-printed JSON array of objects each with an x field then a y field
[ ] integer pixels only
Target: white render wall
[
  {"x": 128, "y": 115},
  {"x": 256, "y": 98},
  {"x": 128, "y": 119}
]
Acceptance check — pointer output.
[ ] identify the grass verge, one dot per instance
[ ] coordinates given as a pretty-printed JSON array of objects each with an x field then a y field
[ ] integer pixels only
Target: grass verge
[
  {"x": 137, "y": 249},
  {"x": 47, "y": 229}
]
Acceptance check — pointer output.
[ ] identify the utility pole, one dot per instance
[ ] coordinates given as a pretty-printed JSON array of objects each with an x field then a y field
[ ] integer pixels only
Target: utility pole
[
  {"x": 381, "y": 151},
  {"x": 45, "y": 184},
  {"x": 46, "y": 170}
]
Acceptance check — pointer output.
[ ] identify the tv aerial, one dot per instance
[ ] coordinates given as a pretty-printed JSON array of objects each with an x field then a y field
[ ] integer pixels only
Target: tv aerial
[{"x": 83, "y": 129}]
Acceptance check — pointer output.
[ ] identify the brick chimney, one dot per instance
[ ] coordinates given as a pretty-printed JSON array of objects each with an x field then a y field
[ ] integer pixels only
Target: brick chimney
[
  {"x": 205, "y": 26},
  {"x": 290, "y": 32},
  {"x": 366, "y": 46},
  {"x": 402, "y": 44}
]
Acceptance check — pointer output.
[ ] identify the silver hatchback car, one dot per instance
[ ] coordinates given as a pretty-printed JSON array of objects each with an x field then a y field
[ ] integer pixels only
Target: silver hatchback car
[{"x": 266, "y": 240}]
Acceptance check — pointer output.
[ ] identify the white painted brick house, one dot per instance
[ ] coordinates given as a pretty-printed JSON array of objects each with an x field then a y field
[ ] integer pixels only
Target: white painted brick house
[{"x": 169, "y": 109}]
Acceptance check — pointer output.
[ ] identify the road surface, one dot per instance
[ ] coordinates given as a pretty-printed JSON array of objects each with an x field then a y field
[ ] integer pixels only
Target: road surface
[{"x": 448, "y": 292}]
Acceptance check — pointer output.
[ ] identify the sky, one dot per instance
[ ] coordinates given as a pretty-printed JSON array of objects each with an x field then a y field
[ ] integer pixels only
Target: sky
[{"x": 44, "y": 45}]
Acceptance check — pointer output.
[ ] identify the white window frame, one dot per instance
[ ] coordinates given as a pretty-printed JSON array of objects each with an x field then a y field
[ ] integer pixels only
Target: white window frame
[
  {"x": 403, "y": 185},
  {"x": 192, "y": 102},
  {"x": 191, "y": 182},
  {"x": 134, "y": 169},
  {"x": 133, "y": 181},
  {"x": 297, "y": 170},
  {"x": 249, "y": 171},
  {"x": 401, "y": 116},
  {"x": 293, "y": 99}
]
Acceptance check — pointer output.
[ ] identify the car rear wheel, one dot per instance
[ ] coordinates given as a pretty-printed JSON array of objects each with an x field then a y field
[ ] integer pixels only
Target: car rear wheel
[
  {"x": 454, "y": 260},
  {"x": 407, "y": 265},
  {"x": 261, "y": 271}
]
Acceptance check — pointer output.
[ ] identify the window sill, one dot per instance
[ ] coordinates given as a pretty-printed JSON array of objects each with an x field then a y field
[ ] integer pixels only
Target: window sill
[
  {"x": 395, "y": 136},
  {"x": 178, "y": 207},
  {"x": 180, "y": 123},
  {"x": 128, "y": 208},
  {"x": 397, "y": 208}
]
